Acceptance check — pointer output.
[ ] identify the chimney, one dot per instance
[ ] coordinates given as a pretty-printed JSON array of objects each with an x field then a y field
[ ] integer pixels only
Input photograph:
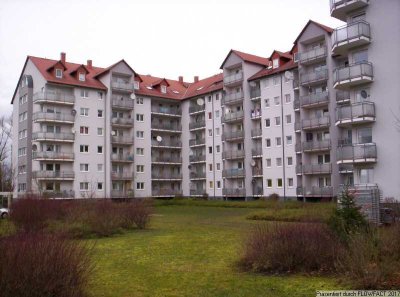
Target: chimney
[
  {"x": 62, "y": 57},
  {"x": 180, "y": 78},
  {"x": 89, "y": 64},
  {"x": 196, "y": 79}
]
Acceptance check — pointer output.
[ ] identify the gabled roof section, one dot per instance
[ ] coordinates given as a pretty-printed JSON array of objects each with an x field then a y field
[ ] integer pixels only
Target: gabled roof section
[
  {"x": 207, "y": 85},
  {"x": 285, "y": 55},
  {"x": 60, "y": 63},
  {"x": 83, "y": 67},
  {"x": 270, "y": 71},
  {"x": 249, "y": 58},
  {"x": 159, "y": 82},
  {"x": 106, "y": 70},
  {"x": 323, "y": 27}
]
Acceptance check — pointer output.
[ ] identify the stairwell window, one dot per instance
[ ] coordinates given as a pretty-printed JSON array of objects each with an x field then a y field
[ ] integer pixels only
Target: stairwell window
[{"x": 140, "y": 186}]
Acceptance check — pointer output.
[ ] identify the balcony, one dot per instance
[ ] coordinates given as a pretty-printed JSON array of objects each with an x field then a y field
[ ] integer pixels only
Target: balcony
[
  {"x": 122, "y": 158},
  {"x": 295, "y": 84},
  {"x": 314, "y": 100},
  {"x": 316, "y": 123},
  {"x": 315, "y": 191},
  {"x": 56, "y": 194},
  {"x": 255, "y": 93},
  {"x": 314, "y": 77},
  {"x": 53, "y": 156},
  {"x": 53, "y": 175},
  {"x": 54, "y": 98},
  {"x": 298, "y": 148},
  {"x": 233, "y": 173},
  {"x": 122, "y": 122},
  {"x": 166, "y": 175},
  {"x": 122, "y": 194},
  {"x": 258, "y": 191},
  {"x": 197, "y": 108},
  {"x": 256, "y": 152},
  {"x": 233, "y": 135},
  {"x": 297, "y": 127},
  {"x": 256, "y": 133},
  {"x": 350, "y": 36},
  {"x": 122, "y": 175},
  {"x": 197, "y": 158},
  {"x": 315, "y": 55},
  {"x": 342, "y": 97},
  {"x": 340, "y": 8},
  {"x": 233, "y": 79},
  {"x": 197, "y": 175},
  {"x": 56, "y": 137},
  {"x": 357, "y": 113},
  {"x": 233, "y": 117},
  {"x": 257, "y": 172},
  {"x": 296, "y": 104},
  {"x": 232, "y": 155},
  {"x": 167, "y": 160},
  {"x": 122, "y": 86},
  {"x": 256, "y": 114},
  {"x": 316, "y": 146},
  {"x": 123, "y": 140},
  {"x": 357, "y": 153},
  {"x": 197, "y": 125},
  {"x": 198, "y": 192},
  {"x": 346, "y": 168},
  {"x": 165, "y": 143},
  {"x": 314, "y": 169},
  {"x": 166, "y": 192},
  {"x": 52, "y": 117},
  {"x": 197, "y": 142},
  {"x": 124, "y": 104},
  {"x": 166, "y": 127},
  {"x": 234, "y": 192},
  {"x": 166, "y": 111},
  {"x": 353, "y": 75},
  {"x": 232, "y": 98}
]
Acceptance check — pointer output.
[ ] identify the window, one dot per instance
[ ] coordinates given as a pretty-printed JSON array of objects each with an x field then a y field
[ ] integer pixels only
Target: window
[
  {"x": 140, "y": 134},
  {"x": 84, "y": 186},
  {"x": 269, "y": 183},
  {"x": 267, "y": 102},
  {"x": 277, "y": 100},
  {"x": 268, "y": 161},
  {"x": 366, "y": 175},
  {"x": 136, "y": 85},
  {"x": 217, "y": 97},
  {"x": 139, "y": 117},
  {"x": 84, "y": 112},
  {"x": 218, "y": 166},
  {"x": 81, "y": 76},
  {"x": 267, "y": 123},
  {"x": 139, "y": 101},
  {"x": 288, "y": 118},
  {"x": 84, "y": 93},
  {"x": 209, "y": 115},
  {"x": 211, "y": 185},
  {"x": 99, "y": 149},
  {"x": 84, "y": 130},
  {"x": 217, "y": 113},
  {"x": 278, "y": 141},
  {"x": 140, "y": 186},
  {"x": 289, "y": 140},
  {"x": 59, "y": 73},
  {"x": 83, "y": 148},
  {"x": 100, "y": 186},
  {"x": 209, "y": 98},
  {"x": 210, "y": 149},
  {"x": 279, "y": 182},
  {"x": 218, "y": 184},
  {"x": 275, "y": 63},
  {"x": 209, "y": 132},
  {"x": 288, "y": 99},
  {"x": 100, "y": 167},
  {"x": 289, "y": 161},
  {"x": 139, "y": 168},
  {"x": 164, "y": 89},
  {"x": 99, "y": 113},
  {"x": 268, "y": 142},
  {"x": 210, "y": 167},
  {"x": 290, "y": 182},
  {"x": 100, "y": 95},
  {"x": 99, "y": 131},
  {"x": 361, "y": 56},
  {"x": 279, "y": 162},
  {"x": 276, "y": 80},
  {"x": 277, "y": 121},
  {"x": 218, "y": 148},
  {"x": 140, "y": 151},
  {"x": 364, "y": 135},
  {"x": 84, "y": 167},
  {"x": 217, "y": 131}
]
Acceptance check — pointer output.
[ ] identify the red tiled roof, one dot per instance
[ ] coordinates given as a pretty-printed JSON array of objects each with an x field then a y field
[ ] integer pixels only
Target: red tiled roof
[
  {"x": 247, "y": 58},
  {"x": 266, "y": 72}
]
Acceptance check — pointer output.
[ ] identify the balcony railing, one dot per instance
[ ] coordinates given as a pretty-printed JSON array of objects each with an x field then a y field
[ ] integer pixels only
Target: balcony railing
[
  {"x": 54, "y": 97},
  {"x": 258, "y": 191},
  {"x": 232, "y": 135},
  {"x": 122, "y": 194},
  {"x": 198, "y": 192},
  {"x": 57, "y": 194},
  {"x": 44, "y": 136},
  {"x": 353, "y": 75},
  {"x": 314, "y": 77},
  {"x": 342, "y": 96},
  {"x": 122, "y": 157},
  {"x": 256, "y": 151},
  {"x": 197, "y": 174},
  {"x": 171, "y": 111},
  {"x": 122, "y": 104},
  {"x": 233, "y": 154},
  {"x": 357, "y": 153},
  {"x": 166, "y": 143},
  {"x": 233, "y": 116},
  {"x": 193, "y": 142},
  {"x": 355, "y": 113},
  {"x": 296, "y": 104},
  {"x": 314, "y": 168},
  {"x": 53, "y": 117},
  {"x": 197, "y": 125},
  {"x": 238, "y": 192},
  {"x": 233, "y": 173},
  {"x": 315, "y": 99},
  {"x": 316, "y": 123},
  {"x": 233, "y": 78},
  {"x": 340, "y": 8},
  {"x": 59, "y": 156},
  {"x": 255, "y": 114},
  {"x": 66, "y": 175},
  {"x": 197, "y": 158},
  {"x": 256, "y": 133},
  {"x": 125, "y": 86},
  {"x": 122, "y": 175},
  {"x": 315, "y": 191},
  {"x": 230, "y": 98},
  {"x": 313, "y": 55},
  {"x": 255, "y": 93},
  {"x": 197, "y": 108},
  {"x": 256, "y": 171},
  {"x": 122, "y": 121},
  {"x": 166, "y": 159},
  {"x": 166, "y": 175},
  {"x": 122, "y": 139},
  {"x": 351, "y": 35},
  {"x": 346, "y": 168},
  {"x": 166, "y": 192},
  {"x": 318, "y": 145},
  {"x": 166, "y": 126},
  {"x": 295, "y": 84}
]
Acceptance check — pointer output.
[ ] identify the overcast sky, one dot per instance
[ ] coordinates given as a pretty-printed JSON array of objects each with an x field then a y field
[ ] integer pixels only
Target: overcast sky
[{"x": 164, "y": 38}]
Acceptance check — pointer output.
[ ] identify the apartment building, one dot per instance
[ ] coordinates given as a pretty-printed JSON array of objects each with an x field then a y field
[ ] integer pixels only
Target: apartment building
[{"x": 300, "y": 123}]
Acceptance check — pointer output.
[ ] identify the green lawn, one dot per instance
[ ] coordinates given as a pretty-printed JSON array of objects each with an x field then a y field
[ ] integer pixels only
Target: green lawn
[{"x": 189, "y": 251}]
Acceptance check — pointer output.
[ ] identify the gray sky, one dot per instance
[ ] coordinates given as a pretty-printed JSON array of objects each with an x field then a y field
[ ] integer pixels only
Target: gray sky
[{"x": 164, "y": 38}]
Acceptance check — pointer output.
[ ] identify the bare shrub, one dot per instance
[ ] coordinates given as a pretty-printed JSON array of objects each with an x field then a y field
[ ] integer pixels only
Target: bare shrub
[{"x": 136, "y": 212}]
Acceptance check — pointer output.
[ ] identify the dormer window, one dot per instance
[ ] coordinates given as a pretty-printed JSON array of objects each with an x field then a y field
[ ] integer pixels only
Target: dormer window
[
  {"x": 164, "y": 89},
  {"x": 275, "y": 63},
  {"x": 81, "y": 76},
  {"x": 59, "y": 73}
]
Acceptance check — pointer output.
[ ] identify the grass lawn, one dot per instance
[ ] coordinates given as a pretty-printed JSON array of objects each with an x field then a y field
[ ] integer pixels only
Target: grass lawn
[{"x": 189, "y": 251}]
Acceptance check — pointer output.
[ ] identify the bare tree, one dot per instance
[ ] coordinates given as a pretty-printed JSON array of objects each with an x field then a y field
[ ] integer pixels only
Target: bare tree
[{"x": 5, "y": 137}]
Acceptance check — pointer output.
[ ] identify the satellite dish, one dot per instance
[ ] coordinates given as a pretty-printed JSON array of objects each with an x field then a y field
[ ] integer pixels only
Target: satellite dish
[
  {"x": 112, "y": 133},
  {"x": 34, "y": 147},
  {"x": 200, "y": 101},
  {"x": 159, "y": 138},
  {"x": 253, "y": 163},
  {"x": 364, "y": 94},
  {"x": 73, "y": 112},
  {"x": 133, "y": 96},
  {"x": 73, "y": 130},
  {"x": 288, "y": 75}
]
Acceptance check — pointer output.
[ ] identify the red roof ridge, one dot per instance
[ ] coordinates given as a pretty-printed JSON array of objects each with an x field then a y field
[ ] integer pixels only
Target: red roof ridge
[{"x": 247, "y": 58}]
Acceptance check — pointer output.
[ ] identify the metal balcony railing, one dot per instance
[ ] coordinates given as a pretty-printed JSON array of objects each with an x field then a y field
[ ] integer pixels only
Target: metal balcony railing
[
  {"x": 122, "y": 139},
  {"x": 233, "y": 97},
  {"x": 295, "y": 84},
  {"x": 314, "y": 99},
  {"x": 53, "y": 136},
  {"x": 166, "y": 143},
  {"x": 123, "y": 104},
  {"x": 166, "y": 192},
  {"x": 315, "y": 191},
  {"x": 256, "y": 171},
  {"x": 53, "y": 117},
  {"x": 258, "y": 191},
  {"x": 56, "y": 97},
  {"x": 198, "y": 192},
  {"x": 166, "y": 175},
  {"x": 122, "y": 194},
  {"x": 197, "y": 108},
  {"x": 315, "y": 54},
  {"x": 353, "y": 72},
  {"x": 166, "y": 126},
  {"x": 122, "y": 121},
  {"x": 296, "y": 104},
  {"x": 197, "y": 158},
  {"x": 126, "y": 86},
  {"x": 166, "y": 159},
  {"x": 357, "y": 153},
  {"x": 234, "y": 172},
  {"x": 58, "y": 194},
  {"x": 193, "y": 142},
  {"x": 197, "y": 174},
  {"x": 238, "y": 192},
  {"x": 233, "y": 78},
  {"x": 166, "y": 110},
  {"x": 314, "y": 77},
  {"x": 314, "y": 168},
  {"x": 233, "y": 154},
  {"x": 53, "y": 174},
  {"x": 53, "y": 156},
  {"x": 233, "y": 116},
  {"x": 316, "y": 145},
  {"x": 341, "y": 8},
  {"x": 256, "y": 151},
  {"x": 350, "y": 32},
  {"x": 256, "y": 133},
  {"x": 355, "y": 112},
  {"x": 197, "y": 125},
  {"x": 122, "y": 175},
  {"x": 255, "y": 92},
  {"x": 342, "y": 96},
  {"x": 315, "y": 123},
  {"x": 122, "y": 157},
  {"x": 231, "y": 135}
]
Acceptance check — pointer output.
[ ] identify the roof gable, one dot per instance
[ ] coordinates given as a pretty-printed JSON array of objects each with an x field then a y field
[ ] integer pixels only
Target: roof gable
[
  {"x": 327, "y": 29},
  {"x": 246, "y": 58}
]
